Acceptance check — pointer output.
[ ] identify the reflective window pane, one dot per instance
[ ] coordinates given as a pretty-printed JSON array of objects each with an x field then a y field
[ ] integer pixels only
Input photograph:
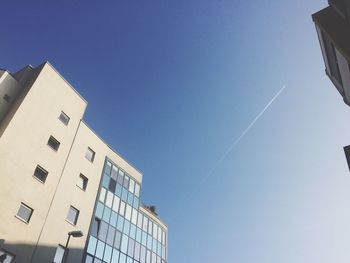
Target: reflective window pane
[
  {"x": 124, "y": 245},
  {"x": 110, "y": 236},
  {"x": 100, "y": 249},
  {"x": 58, "y": 255},
  {"x": 132, "y": 186},
  {"x": 137, "y": 189},
  {"x": 103, "y": 231}
]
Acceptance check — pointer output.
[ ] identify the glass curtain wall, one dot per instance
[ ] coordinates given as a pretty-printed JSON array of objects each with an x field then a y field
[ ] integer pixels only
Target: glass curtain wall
[{"x": 120, "y": 232}]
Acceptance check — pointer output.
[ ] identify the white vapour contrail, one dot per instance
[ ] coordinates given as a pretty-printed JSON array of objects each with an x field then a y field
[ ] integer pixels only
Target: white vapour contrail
[{"x": 234, "y": 144}]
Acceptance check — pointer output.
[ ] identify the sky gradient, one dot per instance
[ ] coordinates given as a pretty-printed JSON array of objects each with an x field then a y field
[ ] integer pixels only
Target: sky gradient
[{"x": 172, "y": 84}]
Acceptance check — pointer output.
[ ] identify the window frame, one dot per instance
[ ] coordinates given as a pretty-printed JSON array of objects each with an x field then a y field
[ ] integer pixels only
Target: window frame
[
  {"x": 53, "y": 140},
  {"x": 64, "y": 252},
  {"x": 76, "y": 216},
  {"x": 67, "y": 118},
  {"x": 43, "y": 170},
  {"x": 85, "y": 181},
  {"x": 6, "y": 252},
  {"x": 89, "y": 149},
  {"x": 30, "y": 216}
]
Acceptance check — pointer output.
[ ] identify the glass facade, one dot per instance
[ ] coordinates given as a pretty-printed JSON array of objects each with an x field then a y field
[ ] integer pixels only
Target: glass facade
[{"x": 119, "y": 231}]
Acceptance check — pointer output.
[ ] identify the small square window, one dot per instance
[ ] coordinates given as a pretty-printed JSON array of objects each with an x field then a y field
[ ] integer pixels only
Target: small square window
[
  {"x": 82, "y": 182},
  {"x": 6, "y": 257},
  {"x": 73, "y": 215},
  {"x": 59, "y": 254},
  {"x": 64, "y": 118},
  {"x": 40, "y": 174},
  {"x": 90, "y": 154},
  {"x": 24, "y": 213},
  {"x": 53, "y": 143},
  {"x": 7, "y": 98}
]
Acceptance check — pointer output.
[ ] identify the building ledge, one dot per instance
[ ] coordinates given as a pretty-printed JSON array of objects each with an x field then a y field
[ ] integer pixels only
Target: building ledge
[{"x": 335, "y": 27}]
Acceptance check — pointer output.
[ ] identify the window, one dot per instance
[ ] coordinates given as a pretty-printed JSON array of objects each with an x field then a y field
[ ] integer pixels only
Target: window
[
  {"x": 73, "y": 215},
  {"x": 59, "y": 254},
  {"x": 7, "y": 98},
  {"x": 131, "y": 186},
  {"x": 126, "y": 181},
  {"x": 24, "y": 213},
  {"x": 64, "y": 118},
  {"x": 137, "y": 189},
  {"x": 96, "y": 227},
  {"x": 53, "y": 143},
  {"x": 6, "y": 257},
  {"x": 110, "y": 235},
  {"x": 40, "y": 174},
  {"x": 109, "y": 199},
  {"x": 114, "y": 174},
  {"x": 90, "y": 154},
  {"x": 102, "y": 233},
  {"x": 117, "y": 239},
  {"x": 82, "y": 182}
]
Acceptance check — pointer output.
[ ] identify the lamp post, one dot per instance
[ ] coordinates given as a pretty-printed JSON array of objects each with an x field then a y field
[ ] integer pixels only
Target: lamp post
[{"x": 73, "y": 234}]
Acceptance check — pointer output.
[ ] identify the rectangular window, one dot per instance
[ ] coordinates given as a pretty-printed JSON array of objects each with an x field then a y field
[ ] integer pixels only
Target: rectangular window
[
  {"x": 24, "y": 213},
  {"x": 114, "y": 174},
  {"x": 73, "y": 215},
  {"x": 126, "y": 182},
  {"x": 96, "y": 227},
  {"x": 131, "y": 246},
  {"x": 53, "y": 143},
  {"x": 116, "y": 204},
  {"x": 120, "y": 177},
  {"x": 122, "y": 208},
  {"x": 131, "y": 186},
  {"x": 128, "y": 212},
  {"x": 112, "y": 185},
  {"x": 110, "y": 235},
  {"x": 59, "y": 254},
  {"x": 150, "y": 227},
  {"x": 64, "y": 118},
  {"x": 117, "y": 240},
  {"x": 90, "y": 154},
  {"x": 109, "y": 199},
  {"x": 134, "y": 216},
  {"x": 137, "y": 189},
  {"x": 102, "y": 234},
  {"x": 143, "y": 254},
  {"x": 40, "y": 174},
  {"x": 103, "y": 195},
  {"x": 145, "y": 224},
  {"x": 139, "y": 220},
  {"x": 6, "y": 256},
  {"x": 82, "y": 182}
]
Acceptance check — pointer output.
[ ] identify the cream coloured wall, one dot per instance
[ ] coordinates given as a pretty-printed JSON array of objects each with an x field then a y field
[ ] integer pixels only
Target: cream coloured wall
[
  {"x": 23, "y": 145},
  {"x": 68, "y": 193},
  {"x": 8, "y": 86},
  {"x": 24, "y": 133}
]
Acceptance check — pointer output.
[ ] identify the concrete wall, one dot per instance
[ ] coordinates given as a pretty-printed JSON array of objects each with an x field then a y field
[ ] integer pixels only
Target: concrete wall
[
  {"x": 40, "y": 95},
  {"x": 8, "y": 86},
  {"x": 23, "y": 146},
  {"x": 68, "y": 193},
  {"x": 31, "y": 120},
  {"x": 344, "y": 73}
]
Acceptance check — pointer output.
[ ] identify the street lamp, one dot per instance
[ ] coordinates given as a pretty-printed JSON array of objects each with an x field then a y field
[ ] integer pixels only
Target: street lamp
[{"x": 73, "y": 234}]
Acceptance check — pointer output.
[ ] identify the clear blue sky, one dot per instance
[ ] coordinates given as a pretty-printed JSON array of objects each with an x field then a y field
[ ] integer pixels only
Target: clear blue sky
[{"x": 171, "y": 84}]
